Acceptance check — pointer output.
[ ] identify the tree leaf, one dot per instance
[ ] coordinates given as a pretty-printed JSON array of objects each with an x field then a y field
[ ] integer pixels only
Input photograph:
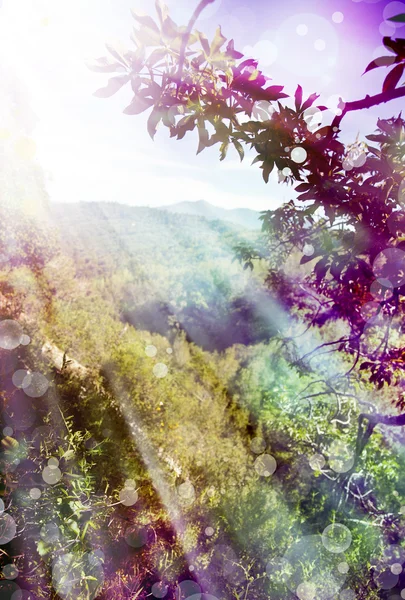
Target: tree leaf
[
  {"x": 249, "y": 62},
  {"x": 203, "y": 137},
  {"x": 298, "y": 98},
  {"x": 154, "y": 119},
  {"x": 138, "y": 105},
  {"x": 156, "y": 56},
  {"x": 218, "y": 41},
  {"x": 239, "y": 149},
  {"x": 398, "y": 18},
  {"x": 170, "y": 30},
  {"x": 204, "y": 42},
  {"x": 393, "y": 77},
  {"x": 305, "y": 259},
  {"x": 146, "y": 21},
  {"x": 383, "y": 61},
  {"x": 146, "y": 36},
  {"x": 104, "y": 65},
  {"x": 118, "y": 52},
  {"x": 114, "y": 84},
  {"x": 223, "y": 150},
  {"x": 309, "y": 102},
  {"x": 267, "y": 167},
  {"x": 395, "y": 46},
  {"x": 321, "y": 268},
  {"x": 161, "y": 10},
  {"x": 230, "y": 50}
]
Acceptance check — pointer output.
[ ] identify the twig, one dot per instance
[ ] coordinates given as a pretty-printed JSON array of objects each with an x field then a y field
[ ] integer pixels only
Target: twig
[{"x": 203, "y": 4}]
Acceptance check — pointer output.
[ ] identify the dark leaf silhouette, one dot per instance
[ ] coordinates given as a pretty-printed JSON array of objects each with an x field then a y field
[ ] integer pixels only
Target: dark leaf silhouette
[{"x": 393, "y": 78}]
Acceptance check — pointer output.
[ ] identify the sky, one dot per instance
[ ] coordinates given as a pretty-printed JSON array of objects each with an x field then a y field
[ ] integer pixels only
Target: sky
[{"x": 91, "y": 151}]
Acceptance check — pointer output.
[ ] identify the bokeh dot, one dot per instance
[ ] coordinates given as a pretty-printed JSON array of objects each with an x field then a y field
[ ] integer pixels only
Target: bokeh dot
[
  {"x": 186, "y": 589},
  {"x": 186, "y": 491},
  {"x": 317, "y": 462},
  {"x": 347, "y": 594},
  {"x": 306, "y": 591},
  {"x": 392, "y": 10},
  {"x": 381, "y": 289},
  {"x": 159, "y": 589},
  {"x": 387, "y": 28},
  {"x": 381, "y": 52},
  {"x": 338, "y": 17},
  {"x": 265, "y": 465},
  {"x": 9, "y": 590},
  {"x": 10, "y": 334},
  {"x": 308, "y": 250},
  {"x": 299, "y": 154},
  {"x": 50, "y": 533},
  {"x": 136, "y": 537},
  {"x": 319, "y": 45},
  {"x": 336, "y": 538},
  {"x": 130, "y": 484},
  {"x": 160, "y": 370},
  {"x": 128, "y": 497},
  {"x": 53, "y": 462},
  {"x": 257, "y": 445},
  {"x": 151, "y": 351},
  {"x": 313, "y": 118},
  {"x": 37, "y": 387},
  {"x": 25, "y": 340},
  {"x": 8, "y": 528},
  {"x": 370, "y": 310},
  {"x": 8, "y": 431},
  {"x": 396, "y": 568},
  {"x": 286, "y": 171},
  {"x": 343, "y": 567},
  {"x": 51, "y": 475},
  {"x": 302, "y": 29},
  {"x": 169, "y": 350},
  {"x": 10, "y": 571},
  {"x": 209, "y": 531},
  {"x": 21, "y": 378},
  {"x": 384, "y": 578},
  {"x": 389, "y": 265},
  {"x": 35, "y": 493},
  {"x": 341, "y": 457}
]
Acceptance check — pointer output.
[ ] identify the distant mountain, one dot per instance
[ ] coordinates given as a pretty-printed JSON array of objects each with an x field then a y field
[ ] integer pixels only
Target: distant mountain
[{"x": 244, "y": 217}]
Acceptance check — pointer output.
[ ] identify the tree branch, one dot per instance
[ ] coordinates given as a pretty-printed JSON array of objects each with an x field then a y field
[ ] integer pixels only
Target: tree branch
[
  {"x": 203, "y": 4},
  {"x": 368, "y": 102}
]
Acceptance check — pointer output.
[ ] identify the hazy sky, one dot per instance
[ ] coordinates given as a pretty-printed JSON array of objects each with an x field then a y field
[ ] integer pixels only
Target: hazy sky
[{"x": 91, "y": 151}]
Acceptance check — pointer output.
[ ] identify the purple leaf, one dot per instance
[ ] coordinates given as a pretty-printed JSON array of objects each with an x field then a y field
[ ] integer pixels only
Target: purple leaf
[
  {"x": 393, "y": 77},
  {"x": 114, "y": 84}
]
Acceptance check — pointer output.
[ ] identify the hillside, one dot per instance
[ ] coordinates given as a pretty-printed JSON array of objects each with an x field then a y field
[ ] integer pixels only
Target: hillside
[
  {"x": 168, "y": 470},
  {"x": 244, "y": 217},
  {"x": 169, "y": 270}
]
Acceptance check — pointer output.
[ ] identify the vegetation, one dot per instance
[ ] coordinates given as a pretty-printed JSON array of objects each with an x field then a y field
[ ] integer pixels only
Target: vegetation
[{"x": 171, "y": 425}]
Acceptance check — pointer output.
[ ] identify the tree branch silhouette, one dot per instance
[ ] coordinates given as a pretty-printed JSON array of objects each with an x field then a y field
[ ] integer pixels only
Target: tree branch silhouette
[
  {"x": 201, "y": 6},
  {"x": 369, "y": 102}
]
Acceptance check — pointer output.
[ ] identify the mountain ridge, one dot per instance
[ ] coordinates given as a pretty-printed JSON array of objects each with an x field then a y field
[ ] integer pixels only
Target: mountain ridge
[{"x": 244, "y": 217}]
